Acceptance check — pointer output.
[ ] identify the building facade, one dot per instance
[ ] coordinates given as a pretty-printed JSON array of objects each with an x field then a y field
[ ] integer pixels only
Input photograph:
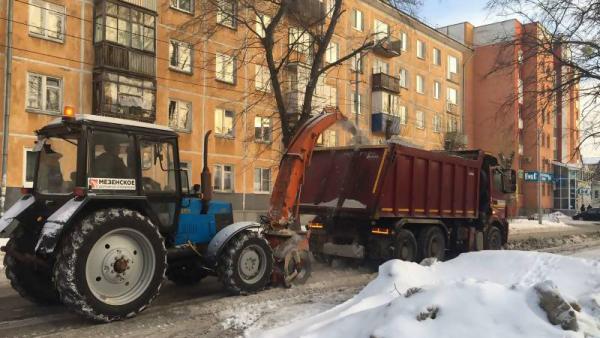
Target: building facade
[
  {"x": 144, "y": 60},
  {"x": 522, "y": 110}
]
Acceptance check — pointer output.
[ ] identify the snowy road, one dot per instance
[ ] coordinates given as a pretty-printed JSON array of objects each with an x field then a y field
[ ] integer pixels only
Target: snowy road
[{"x": 203, "y": 310}]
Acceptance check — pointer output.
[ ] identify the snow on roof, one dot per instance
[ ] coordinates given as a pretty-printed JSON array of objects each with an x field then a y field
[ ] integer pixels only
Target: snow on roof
[
  {"x": 114, "y": 120},
  {"x": 479, "y": 294}
]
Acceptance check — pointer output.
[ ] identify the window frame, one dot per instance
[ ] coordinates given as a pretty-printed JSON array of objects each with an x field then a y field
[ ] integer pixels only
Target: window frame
[
  {"x": 437, "y": 89},
  {"x": 223, "y": 115},
  {"x": 421, "y": 49},
  {"x": 376, "y": 33},
  {"x": 43, "y": 13},
  {"x": 420, "y": 122},
  {"x": 261, "y": 71},
  {"x": 437, "y": 123},
  {"x": 402, "y": 114},
  {"x": 262, "y": 127},
  {"x": 218, "y": 74},
  {"x": 420, "y": 79},
  {"x": 191, "y": 52},
  {"x": 436, "y": 56},
  {"x": 354, "y": 102},
  {"x": 448, "y": 90},
  {"x": 44, "y": 92},
  {"x": 333, "y": 47},
  {"x": 101, "y": 13},
  {"x": 403, "y": 77},
  {"x": 192, "y": 5},
  {"x": 232, "y": 180},
  {"x": 261, "y": 170},
  {"x": 354, "y": 21},
  {"x": 404, "y": 43},
  {"x": 232, "y": 15},
  {"x": 188, "y": 128}
]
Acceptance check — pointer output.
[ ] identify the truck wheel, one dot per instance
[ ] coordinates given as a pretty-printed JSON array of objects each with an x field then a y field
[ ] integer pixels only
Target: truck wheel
[
  {"x": 432, "y": 243},
  {"x": 406, "y": 246},
  {"x": 493, "y": 239},
  {"x": 111, "y": 265},
  {"x": 188, "y": 272},
  {"x": 246, "y": 263},
  {"x": 32, "y": 281}
]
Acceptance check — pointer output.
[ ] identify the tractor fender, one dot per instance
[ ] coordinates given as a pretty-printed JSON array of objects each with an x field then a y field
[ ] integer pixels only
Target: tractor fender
[
  {"x": 13, "y": 212},
  {"x": 222, "y": 237},
  {"x": 54, "y": 225}
]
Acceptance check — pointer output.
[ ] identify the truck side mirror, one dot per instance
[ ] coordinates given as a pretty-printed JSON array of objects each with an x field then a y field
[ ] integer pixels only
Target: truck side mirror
[{"x": 509, "y": 181}]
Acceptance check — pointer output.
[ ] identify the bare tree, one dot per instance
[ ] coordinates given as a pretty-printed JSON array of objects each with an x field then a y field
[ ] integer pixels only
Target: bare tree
[
  {"x": 282, "y": 34},
  {"x": 568, "y": 36}
]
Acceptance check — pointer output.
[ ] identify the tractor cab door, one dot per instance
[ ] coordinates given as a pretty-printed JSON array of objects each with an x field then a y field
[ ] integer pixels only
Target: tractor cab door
[{"x": 160, "y": 180}]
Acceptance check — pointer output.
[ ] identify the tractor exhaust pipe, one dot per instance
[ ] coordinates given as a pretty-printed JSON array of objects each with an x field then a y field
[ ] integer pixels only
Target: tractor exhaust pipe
[{"x": 205, "y": 178}]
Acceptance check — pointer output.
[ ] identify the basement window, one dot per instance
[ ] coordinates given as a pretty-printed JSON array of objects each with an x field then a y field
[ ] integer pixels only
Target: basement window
[{"x": 46, "y": 20}]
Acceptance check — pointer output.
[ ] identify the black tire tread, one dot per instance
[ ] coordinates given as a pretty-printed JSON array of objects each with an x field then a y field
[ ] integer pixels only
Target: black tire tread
[
  {"x": 64, "y": 271},
  {"x": 423, "y": 238}
]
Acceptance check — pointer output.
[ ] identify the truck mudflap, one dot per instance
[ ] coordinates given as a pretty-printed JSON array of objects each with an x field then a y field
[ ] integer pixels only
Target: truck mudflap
[
  {"x": 54, "y": 225},
  {"x": 222, "y": 237},
  {"x": 13, "y": 212}
]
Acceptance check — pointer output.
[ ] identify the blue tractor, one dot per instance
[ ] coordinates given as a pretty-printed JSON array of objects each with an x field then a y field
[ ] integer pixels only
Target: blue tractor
[{"x": 111, "y": 213}]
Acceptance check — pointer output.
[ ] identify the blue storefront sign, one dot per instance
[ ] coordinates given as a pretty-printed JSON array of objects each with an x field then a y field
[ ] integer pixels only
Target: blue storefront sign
[{"x": 535, "y": 176}]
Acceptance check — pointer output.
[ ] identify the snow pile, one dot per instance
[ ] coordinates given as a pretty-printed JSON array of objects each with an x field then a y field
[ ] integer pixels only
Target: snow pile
[
  {"x": 556, "y": 219},
  {"x": 480, "y": 294}
]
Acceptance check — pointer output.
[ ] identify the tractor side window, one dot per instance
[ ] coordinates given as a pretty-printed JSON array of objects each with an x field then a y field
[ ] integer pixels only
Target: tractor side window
[
  {"x": 158, "y": 174},
  {"x": 58, "y": 165},
  {"x": 112, "y": 157}
]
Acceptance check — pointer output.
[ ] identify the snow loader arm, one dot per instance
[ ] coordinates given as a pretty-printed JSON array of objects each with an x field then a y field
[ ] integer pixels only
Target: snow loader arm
[{"x": 283, "y": 207}]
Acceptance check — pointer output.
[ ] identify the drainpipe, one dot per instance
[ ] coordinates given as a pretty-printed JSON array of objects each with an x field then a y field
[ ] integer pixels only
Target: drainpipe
[
  {"x": 7, "y": 95},
  {"x": 464, "y": 94}
]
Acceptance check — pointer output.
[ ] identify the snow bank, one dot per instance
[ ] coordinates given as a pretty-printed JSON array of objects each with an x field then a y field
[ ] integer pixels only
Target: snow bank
[
  {"x": 556, "y": 219},
  {"x": 480, "y": 294}
]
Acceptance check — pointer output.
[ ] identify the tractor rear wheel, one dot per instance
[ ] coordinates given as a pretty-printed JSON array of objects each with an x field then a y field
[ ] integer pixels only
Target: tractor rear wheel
[
  {"x": 111, "y": 265},
  {"x": 33, "y": 281},
  {"x": 406, "y": 246},
  {"x": 246, "y": 263},
  {"x": 432, "y": 243}
]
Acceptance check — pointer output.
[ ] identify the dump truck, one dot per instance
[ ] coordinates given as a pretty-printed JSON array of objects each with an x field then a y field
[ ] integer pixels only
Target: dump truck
[
  {"x": 111, "y": 213},
  {"x": 390, "y": 201}
]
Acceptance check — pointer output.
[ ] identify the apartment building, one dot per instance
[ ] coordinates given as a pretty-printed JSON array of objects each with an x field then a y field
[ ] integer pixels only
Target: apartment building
[
  {"x": 144, "y": 60},
  {"x": 517, "y": 112}
]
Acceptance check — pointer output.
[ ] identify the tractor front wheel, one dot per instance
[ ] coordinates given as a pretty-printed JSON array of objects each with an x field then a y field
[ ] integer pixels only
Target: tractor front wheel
[
  {"x": 111, "y": 265},
  {"x": 246, "y": 263}
]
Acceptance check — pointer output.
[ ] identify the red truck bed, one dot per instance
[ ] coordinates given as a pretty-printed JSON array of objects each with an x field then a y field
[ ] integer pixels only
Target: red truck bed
[{"x": 391, "y": 181}]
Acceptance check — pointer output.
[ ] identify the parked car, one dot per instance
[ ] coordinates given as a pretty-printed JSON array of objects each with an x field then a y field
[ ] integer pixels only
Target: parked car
[{"x": 592, "y": 214}]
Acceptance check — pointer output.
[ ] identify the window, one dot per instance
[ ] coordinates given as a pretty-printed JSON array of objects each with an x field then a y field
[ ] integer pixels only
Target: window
[
  {"x": 262, "y": 129},
  {"x": 381, "y": 30},
  {"x": 452, "y": 66},
  {"x": 158, "y": 174},
  {"x": 332, "y": 52},
  {"x": 437, "y": 89},
  {"x": 357, "y": 20},
  {"x": 180, "y": 56},
  {"x": 404, "y": 39},
  {"x": 126, "y": 26},
  {"x": 327, "y": 139},
  {"x": 223, "y": 180},
  {"x": 452, "y": 95},
  {"x": 180, "y": 115},
  {"x": 46, "y": 20},
  {"x": 437, "y": 57},
  {"x": 403, "y": 78},
  {"x": 183, "y": 5},
  {"x": 262, "y": 180},
  {"x": 421, "y": 50},
  {"x": 437, "y": 123},
  {"x": 226, "y": 11},
  {"x": 356, "y": 103},
  {"x": 380, "y": 67},
  {"x": 299, "y": 40},
  {"x": 29, "y": 158},
  {"x": 224, "y": 122},
  {"x": 402, "y": 114},
  {"x": 452, "y": 124},
  {"x": 520, "y": 91},
  {"x": 262, "y": 78},
  {"x": 420, "y": 84},
  {"x": 44, "y": 94},
  {"x": 125, "y": 95},
  {"x": 357, "y": 59},
  {"x": 225, "y": 68},
  {"x": 390, "y": 103},
  {"x": 57, "y": 165},
  {"x": 262, "y": 22},
  {"x": 330, "y": 95},
  {"x": 420, "y": 122}
]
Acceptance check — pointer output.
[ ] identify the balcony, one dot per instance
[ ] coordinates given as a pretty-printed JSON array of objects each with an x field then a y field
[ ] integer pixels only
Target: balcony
[
  {"x": 125, "y": 59},
  {"x": 382, "y": 123},
  {"x": 307, "y": 12},
  {"x": 148, "y": 4},
  {"x": 387, "y": 48},
  {"x": 385, "y": 82},
  {"x": 452, "y": 108}
]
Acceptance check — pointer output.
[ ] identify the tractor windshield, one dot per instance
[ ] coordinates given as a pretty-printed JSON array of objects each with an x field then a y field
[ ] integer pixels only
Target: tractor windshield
[{"x": 57, "y": 170}]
